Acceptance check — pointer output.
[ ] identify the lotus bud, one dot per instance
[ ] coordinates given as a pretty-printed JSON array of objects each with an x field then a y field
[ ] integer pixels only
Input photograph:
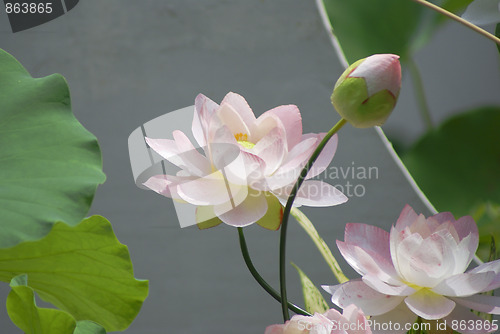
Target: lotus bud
[{"x": 367, "y": 91}]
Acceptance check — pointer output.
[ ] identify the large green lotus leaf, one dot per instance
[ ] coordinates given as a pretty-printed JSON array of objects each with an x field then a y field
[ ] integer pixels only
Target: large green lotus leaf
[
  {"x": 83, "y": 270},
  {"x": 313, "y": 300},
  {"x": 50, "y": 165},
  {"x": 32, "y": 319},
  {"x": 22, "y": 310},
  {"x": 363, "y": 28},
  {"x": 457, "y": 165},
  {"x": 454, "y": 6}
]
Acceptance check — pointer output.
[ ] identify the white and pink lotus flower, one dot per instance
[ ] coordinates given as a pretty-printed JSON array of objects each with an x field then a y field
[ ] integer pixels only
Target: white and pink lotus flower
[
  {"x": 351, "y": 321},
  {"x": 253, "y": 186},
  {"x": 419, "y": 270}
]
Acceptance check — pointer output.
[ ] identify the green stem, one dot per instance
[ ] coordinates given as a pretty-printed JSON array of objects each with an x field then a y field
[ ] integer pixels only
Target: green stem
[
  {"x": 286, "y": 214},
  {"x": 420, "y": 93},
  {"x": 459, "y": 20},
  {"x": 259, "y": 279},
  {"x": 323, "y": 248}
]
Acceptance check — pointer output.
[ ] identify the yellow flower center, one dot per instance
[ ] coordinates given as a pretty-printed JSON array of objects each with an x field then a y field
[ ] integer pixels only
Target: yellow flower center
[
  {"x": 414, "y": 286},
  {"x": 242, "y": 139},
  {"x": 246, "y": 144}
]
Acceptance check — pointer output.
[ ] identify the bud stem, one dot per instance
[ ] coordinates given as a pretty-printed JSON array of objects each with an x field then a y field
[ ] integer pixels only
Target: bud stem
[
  {"x": 286, "y": 214},
  {"x": 459, "y": 19}
]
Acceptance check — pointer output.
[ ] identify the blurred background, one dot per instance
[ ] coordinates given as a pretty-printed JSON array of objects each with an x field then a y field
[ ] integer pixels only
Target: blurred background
[{"x": 127, "y": 62}]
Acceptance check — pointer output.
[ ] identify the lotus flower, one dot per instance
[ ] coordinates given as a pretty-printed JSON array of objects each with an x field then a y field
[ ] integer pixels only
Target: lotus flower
[
  {"x": 418, "y": 270},
  {"x": 252, "y": 185},
  {"x": 367, "y": 91},
  {"x": 352, "y": 321}
]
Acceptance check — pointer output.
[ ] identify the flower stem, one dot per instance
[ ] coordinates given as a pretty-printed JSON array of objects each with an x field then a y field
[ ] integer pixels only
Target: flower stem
[
  {"x": 286, "y": 214},
  {"x": 420, "y": 93},
  {"x": 259, "y": 279},
  {"x": 419, "y": 322},
  {"x": 459, "y": 20},
  {"x": 323, "y": 248}
]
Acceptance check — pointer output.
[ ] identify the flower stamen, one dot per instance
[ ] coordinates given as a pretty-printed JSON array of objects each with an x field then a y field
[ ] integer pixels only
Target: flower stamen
[{"x": 241, "y": 137}]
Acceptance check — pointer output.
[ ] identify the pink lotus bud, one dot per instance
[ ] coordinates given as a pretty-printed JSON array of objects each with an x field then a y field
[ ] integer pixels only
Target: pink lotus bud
[{"x": 367, "y": 91}]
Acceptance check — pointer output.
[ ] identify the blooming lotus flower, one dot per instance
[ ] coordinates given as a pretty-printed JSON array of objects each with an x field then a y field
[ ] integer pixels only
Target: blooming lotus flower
[
  {"x": 367, "y": 91},
  {"x": 482, "y": 12},
  {"x": 252, "y": 185},
  {"x": 352, "y": 321},
  {"x": 418, "y": 270}
]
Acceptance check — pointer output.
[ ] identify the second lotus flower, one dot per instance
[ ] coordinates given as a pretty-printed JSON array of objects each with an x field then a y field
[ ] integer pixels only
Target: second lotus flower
[
  {"x": 249, "y": 166},
  {"x": 418, "y": 269}
]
